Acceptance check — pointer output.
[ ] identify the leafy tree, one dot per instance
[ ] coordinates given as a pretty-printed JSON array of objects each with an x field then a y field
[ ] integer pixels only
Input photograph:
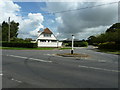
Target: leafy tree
[
  {"x": 0, "y": 32},
  {"x": 110, "y": 39},
  {"x": 91, "y": 40},
  {"x": 13, "y": 30},
  {"x": 115, "y": 27},
  {"x": 4, "y": 31},
  {"x": 28, "y": 39}
]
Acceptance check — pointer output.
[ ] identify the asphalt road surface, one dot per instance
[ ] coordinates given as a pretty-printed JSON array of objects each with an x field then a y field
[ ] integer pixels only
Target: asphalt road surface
[{"x": 43, "y": 69}]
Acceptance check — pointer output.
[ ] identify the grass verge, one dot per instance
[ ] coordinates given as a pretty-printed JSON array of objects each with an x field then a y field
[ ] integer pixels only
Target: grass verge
[
  {"x": 63, "y": 48},
  {"x": 40, "y": 48},
  {"x": 16, "y": 48}
]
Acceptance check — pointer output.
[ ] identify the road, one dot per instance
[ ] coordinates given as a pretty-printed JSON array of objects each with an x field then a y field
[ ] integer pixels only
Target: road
[{"x": 43, "y": 69}]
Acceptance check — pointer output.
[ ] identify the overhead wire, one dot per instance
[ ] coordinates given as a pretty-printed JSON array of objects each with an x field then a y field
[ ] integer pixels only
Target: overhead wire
[{"x": 77, "y": 9}]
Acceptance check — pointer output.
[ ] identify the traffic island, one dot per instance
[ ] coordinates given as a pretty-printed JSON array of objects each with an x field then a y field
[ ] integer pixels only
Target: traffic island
[{"x": 73, "y": 55}]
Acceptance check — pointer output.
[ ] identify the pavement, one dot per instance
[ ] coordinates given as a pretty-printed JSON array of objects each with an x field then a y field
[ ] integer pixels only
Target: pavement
[{"x": 44, "y": 69}]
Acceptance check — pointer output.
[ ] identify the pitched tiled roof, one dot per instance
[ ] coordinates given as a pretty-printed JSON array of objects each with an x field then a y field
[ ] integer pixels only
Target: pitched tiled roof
[{"x": 47, "y": 31}]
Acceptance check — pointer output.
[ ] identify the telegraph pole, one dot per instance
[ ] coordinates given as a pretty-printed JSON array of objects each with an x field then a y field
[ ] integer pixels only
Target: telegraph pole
[{"x": 9, "y": 29}]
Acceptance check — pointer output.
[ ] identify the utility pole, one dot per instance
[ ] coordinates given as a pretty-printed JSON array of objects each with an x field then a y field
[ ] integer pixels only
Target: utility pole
[
  {"x": 9, "y": 29},
  {"x": 72, "y": 44}
]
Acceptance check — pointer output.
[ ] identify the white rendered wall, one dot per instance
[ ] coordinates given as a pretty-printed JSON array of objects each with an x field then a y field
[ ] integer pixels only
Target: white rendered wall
[
  {"x": 49, "y": 44},
  {"x": 47, "y": 38}
]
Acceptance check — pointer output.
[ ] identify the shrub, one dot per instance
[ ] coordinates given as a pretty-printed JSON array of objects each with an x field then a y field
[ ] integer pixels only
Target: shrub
[
  {"x": 95, "y": 44},
  {"x": 109, "y": 45},
  {"x": 77, "y": 44},
  {"x": 83, "y": 44},
  {"x": 19, "y": 44}
]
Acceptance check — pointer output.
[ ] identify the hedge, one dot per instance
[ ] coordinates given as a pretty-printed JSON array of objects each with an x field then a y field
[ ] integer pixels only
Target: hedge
[
  {"x": 109, "y": 45},
  {"x": 77, "y": 44},
  {"x": 19, "y": 44}
]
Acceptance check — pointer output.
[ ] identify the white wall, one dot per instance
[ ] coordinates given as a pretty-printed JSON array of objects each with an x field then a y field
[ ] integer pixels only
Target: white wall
[
  {"x": 48, "y": 38},
  {"x": 49, "y": 44}
]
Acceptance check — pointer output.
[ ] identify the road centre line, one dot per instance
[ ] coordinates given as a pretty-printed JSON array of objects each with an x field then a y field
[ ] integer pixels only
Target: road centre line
[
  {"x": 16, "y": 80},
  {"x": 97, "y": 68},
  {"x": 39, "y": 60},
  {"x": 29, "y": 58},
  {"x": 17, "y": 56},
  {"x": 1, "y": 73}
]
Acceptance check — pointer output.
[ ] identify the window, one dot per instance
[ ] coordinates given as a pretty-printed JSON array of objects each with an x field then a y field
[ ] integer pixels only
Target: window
[
  {"x": 53, "y": 40},
  {"x": 47, "y": 35},
  {"x": 48, "y": 40},
  {"x": 42, "y": 40}
]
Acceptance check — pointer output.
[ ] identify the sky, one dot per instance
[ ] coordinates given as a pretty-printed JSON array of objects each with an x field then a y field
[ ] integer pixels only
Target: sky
[{"x": 82, "y": 23}]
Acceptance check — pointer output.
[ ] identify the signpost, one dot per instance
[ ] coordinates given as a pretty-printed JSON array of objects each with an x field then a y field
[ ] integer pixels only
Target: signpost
[
  {"x": 72, "y": 51},
  {"x": 9, "y": 29}
]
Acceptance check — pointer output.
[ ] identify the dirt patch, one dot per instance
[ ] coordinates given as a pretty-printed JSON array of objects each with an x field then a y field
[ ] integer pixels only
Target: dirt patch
[{"x": 73, "y": 55}]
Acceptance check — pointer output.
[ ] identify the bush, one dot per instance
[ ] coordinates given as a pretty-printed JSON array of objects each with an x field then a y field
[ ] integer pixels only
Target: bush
[
  {"x": 109, "y": 45},
  {"x": 77, "y": 44},
  {"x": 83, "y": 44},
  {"x": 19, "y": 44},
  {"x": 95, "y": 44}
]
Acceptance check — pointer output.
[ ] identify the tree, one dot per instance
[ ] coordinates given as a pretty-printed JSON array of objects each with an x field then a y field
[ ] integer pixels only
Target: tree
[
  {"x": 4, "y": 31},
  {"x": 13, "y": 30},
  {"x": 0, "y": 32},
  {"x": 112, "y": 34},
  {"x": 91, "y": 40},
  {"x": 115, "y": 27},
  {"x": 28, "y": 39}
]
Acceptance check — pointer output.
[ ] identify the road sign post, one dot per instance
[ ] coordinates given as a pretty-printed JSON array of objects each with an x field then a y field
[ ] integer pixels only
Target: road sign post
[
  {"x": 9, "y": 29},
  {"x": 72, "y": 51}
]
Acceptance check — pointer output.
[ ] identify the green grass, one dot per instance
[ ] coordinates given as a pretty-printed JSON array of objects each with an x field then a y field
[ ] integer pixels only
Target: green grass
[
  {"x": 40, "y": 48},
  {"x": 16, "y": 48},
  {"x": 109, "y": 51},
  {"x": 65, "y": 48}
]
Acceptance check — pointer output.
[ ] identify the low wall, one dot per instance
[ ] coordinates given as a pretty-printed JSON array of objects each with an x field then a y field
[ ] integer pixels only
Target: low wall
[{"x": 49, "y": 44}]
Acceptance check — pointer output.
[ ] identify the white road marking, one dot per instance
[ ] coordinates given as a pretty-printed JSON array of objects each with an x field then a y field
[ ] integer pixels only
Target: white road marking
[
  {"x": 29, "y": 58},
  {"x": 16, "y": 80},
  {"x": 39, "y": 60},
  {"x": 102, "y": 61},
  {"x": 48, "y": 54},
  {"x": 97, "y": 68},
  {"x": 17, "y": 56},
  {"x": 1, "y": 73}
]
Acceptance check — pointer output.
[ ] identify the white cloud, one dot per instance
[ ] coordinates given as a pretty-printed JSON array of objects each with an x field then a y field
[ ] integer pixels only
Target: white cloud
[
  {"x": 8, "y": 9},
  {"x": 35, "y": 32},
  {"x": 74, "y": 22},
  {"x": 28, "y": 26},
  {"x": 31, "y": 25},
  {"x": 59, "y": 20}
]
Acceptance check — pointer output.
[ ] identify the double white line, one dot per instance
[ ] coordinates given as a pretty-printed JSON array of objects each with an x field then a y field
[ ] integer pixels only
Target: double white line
[{"x": 40, "y": 60}]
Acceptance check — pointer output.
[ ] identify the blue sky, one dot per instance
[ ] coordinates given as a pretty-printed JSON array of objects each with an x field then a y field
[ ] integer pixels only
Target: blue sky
[
  {"x": 33, "y": 7},
  {"x": 38, "y": 7}
]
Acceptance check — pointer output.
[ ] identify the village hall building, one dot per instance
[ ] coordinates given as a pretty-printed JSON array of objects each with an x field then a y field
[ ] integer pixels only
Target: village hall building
[{"x": 47, "y": 39}]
